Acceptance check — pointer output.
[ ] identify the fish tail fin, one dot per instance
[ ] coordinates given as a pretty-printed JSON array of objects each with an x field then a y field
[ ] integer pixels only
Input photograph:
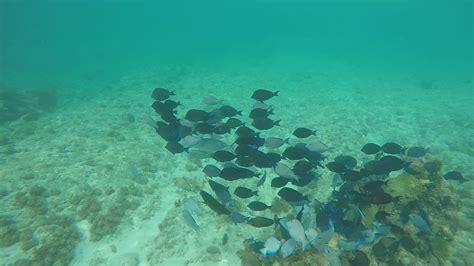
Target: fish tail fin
[
  {"x": 276, "y": 93},
  {"x": 277, "y": 123}
]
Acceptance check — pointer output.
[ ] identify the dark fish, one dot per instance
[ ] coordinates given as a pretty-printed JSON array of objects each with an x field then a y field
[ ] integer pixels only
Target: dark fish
[
  {"x": 244, "y": 161},
  {"x": 295, "y": 153},
  {"x": 195, "y": 115},
  {"x": 455, "y": 175},
  {"x": 351, "y": 175},
  {"x": 336, "y": 167},
  {"x": 164, "y": 107},
  {"x": 244, "y": 193},
  {"x": 169, "y": 117},
  {"x": 170, "y": 104},
  {"x": 168, "y": 132},
  {"x": 314, "y": 157},
  {"x": 212, "y": 203},
  {"x": 381, "y": 197},
  {"x": 204, "y": 128},
  {"x": 258, "y": 206},
  {"x": 397, "y": 230},
  {"x": 417, "y": 152},
  {"x": 161, "y": 94},
  {"x": 263, "y": 95},
  {"x": 260, "y": 222},
  {"x": 302, "y": 167},
  {"x": 279, "y": 182},
  {"x": 349, "y": 161},
  {"x": 231, "y": 173},
  {"x": 371, "y": 148},
  {"x": 223, "y": 156},
  {"x": 392, "y": 148},
  {"x": 211, "y": 170},
  {"x": 432, "y": 167},
  {"x": 247, "y": 173},
  {"x": 253, "y": 141},
  {"x": 245, "y": 132},
  {"x": 235, "y": 173},
  {"x": 260, "y": 113},
  {"x": 221, "y": 129},
  {"x": 265, "y": 123},
  {"x": 244, "y": 150},
  {"x": 303, "y": 132},
  {"x": 291, "y": 195},
  {"x": 262, "y": 160},
  {"x": 233, "y": 122},
  {"x": 221, "y": 191},
  {"x": 391, "y": 163},
  {"x": 381, "y": 216},
  {"x": 174, "y": 147},
  {"x": 372, "y": 186},
  {"x": 228, "y": 111},
  {"x": 374, "y": 167},
  {"x": 274, "y": 157}
]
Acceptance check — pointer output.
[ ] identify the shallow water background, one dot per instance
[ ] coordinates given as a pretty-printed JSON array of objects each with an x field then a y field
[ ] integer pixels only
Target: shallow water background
[{"x": 358, "y": 71}]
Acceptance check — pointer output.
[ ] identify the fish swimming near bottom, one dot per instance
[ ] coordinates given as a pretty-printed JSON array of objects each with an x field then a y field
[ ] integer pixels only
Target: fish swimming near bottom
[
  {"x": 260, "y": 221},
  {"x": 189, "y": 220},
  {"x": 271, "y": 247},
  {"x": 296, "y": 230},
  {"x": 288, "y": 248},
  {"x": 237, "y": 218},
  {"x": 420, "y": 224},
  {"x": 213, "y": 203}
]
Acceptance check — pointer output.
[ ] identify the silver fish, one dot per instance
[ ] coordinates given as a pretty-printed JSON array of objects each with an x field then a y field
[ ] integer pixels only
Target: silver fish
[
  {"x": 317, "y": 146},
  {"x": 288, "y": 248},
  {"x": 295, "y": 228},
  {"x": 192, "y": 206},
  {"x": 209, "y": 146},
  {"x": 189, "y": 220},
  {"x": 284, "y": 171},
  {"x": 274, "y": 143}
]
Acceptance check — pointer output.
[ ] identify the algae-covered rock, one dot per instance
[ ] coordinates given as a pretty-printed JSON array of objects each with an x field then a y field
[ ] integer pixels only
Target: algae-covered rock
[
  {"x": 279, "y": 206},
  {"x": 405, "y": 185},
  {"x": 249, "y": 258},
  {"x": 56, "y": 242},
  {"x": 9, "y": 233},
  {"x": 15, "y": 104},
  {"x": 369, "y": 214},
  {"x": 440, "y": 248}
]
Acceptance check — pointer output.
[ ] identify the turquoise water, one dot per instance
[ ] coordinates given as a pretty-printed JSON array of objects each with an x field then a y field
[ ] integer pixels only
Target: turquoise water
[{"x": 82, "y": 166}]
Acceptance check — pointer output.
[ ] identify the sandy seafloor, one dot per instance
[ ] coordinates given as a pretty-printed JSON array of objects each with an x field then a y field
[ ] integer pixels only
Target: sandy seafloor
[{"x": 81, "y": 152}]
